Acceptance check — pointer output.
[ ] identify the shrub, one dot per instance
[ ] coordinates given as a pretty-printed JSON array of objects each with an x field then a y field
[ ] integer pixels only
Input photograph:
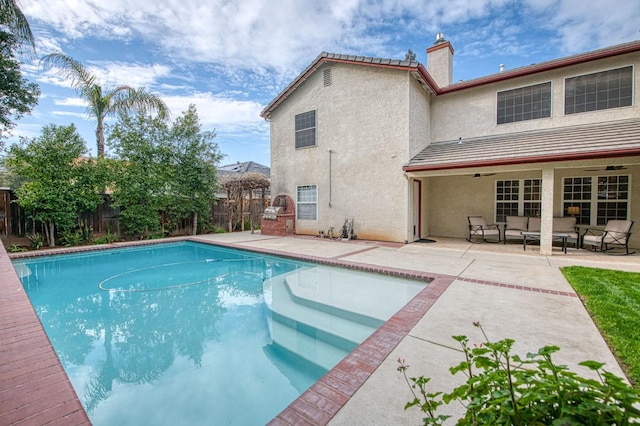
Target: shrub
[
  {"x": 36, "y": 241},
  {"x": 107, "y": 238},
  {"x": 81, "y": 235},
  {"x": 506, "y": 389}
]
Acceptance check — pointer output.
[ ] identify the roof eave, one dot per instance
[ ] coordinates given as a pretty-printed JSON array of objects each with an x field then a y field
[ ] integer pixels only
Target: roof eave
[{"x": 545, "y": 66}]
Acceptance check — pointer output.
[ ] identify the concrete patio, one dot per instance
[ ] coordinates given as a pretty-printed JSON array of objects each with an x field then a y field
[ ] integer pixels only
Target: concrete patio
[{"x": 511, "y": 292}]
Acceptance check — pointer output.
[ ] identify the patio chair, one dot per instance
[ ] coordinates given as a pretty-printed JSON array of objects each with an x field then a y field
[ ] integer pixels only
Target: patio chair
[
  {"x": 479, "y": 229},
  {"x": 514, "y": 226},
  {"x": 616, "y": 233}
]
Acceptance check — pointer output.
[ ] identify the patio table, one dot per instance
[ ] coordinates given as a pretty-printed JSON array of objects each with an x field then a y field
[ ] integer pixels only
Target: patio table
[{"x": 555, "y": 236}]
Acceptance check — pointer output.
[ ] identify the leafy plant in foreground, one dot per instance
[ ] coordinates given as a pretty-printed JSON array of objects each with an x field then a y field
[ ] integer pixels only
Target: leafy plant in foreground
[
  {"x": 107, "y": 238},
  {"x": 75, "y": 237},
  {"x": 36, "y": 241},
  {"x": 505, "y": 389}
]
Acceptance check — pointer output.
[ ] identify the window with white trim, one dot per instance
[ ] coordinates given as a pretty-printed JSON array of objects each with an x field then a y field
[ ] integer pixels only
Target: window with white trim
[
  {"x": 524, "y": 103},
  {"x": 306, "y": 129},
  {"x": 594, "y": 200},
  {"x": 518, "y": 197},
  {"x": 307, "y": 202},
  {"x": 601, "y": 90}
]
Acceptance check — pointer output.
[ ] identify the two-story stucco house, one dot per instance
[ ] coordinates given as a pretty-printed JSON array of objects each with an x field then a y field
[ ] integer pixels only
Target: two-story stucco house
[{"x": 407, "y": 153}]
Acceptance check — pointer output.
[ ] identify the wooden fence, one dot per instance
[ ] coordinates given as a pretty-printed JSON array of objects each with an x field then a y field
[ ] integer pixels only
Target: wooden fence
[{"x": 15, "y": 222}]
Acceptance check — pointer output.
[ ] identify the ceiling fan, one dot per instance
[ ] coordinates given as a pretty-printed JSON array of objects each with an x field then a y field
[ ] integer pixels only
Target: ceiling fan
[
  {"x": 607, "y": 169},
  {"x": 479, "y": 175}
]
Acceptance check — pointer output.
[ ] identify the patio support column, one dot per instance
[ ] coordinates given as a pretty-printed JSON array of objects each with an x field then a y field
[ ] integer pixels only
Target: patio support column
[
  {"x": 546, "y": 215},
  {"x": 408, "y": 203}
]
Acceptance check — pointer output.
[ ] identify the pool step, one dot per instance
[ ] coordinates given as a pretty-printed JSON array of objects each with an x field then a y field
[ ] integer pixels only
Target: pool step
[
  {"x": 332, "y": 320},
  {"x": 315, "y": 346},
  {"x": 331, "y": 310}
]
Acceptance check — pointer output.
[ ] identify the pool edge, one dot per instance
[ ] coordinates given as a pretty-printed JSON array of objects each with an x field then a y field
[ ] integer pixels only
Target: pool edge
[{"x": 34, "y": 388}]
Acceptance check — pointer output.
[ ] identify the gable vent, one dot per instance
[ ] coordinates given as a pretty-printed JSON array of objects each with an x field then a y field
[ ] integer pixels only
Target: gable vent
[{"x": 327, "y": 77}]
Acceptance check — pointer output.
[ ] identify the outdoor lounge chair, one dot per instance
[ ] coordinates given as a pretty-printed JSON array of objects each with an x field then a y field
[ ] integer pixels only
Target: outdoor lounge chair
[
  {"x": 479, "y": 229},
  {"x": 616, "y": 233},
  {"x": 514, "y": 226}
]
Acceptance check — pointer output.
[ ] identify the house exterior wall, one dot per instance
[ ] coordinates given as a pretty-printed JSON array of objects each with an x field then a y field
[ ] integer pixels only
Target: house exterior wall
[
  {"x": 372, "y": 120},
  {"x": 478, "y": 105},
  {"x": 419, "y": 118},
  {"x": 363, "y": 118}
]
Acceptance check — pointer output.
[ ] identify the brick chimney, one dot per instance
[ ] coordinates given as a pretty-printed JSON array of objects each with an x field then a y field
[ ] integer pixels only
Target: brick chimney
[{"x": 440, "y": 61}]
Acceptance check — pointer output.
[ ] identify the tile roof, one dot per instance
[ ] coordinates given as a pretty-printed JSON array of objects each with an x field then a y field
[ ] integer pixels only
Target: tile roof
[
  {"x": 419, "y": 71},
  {"x": 244, "y": 167},
  {"x": 600, "y": 140}
]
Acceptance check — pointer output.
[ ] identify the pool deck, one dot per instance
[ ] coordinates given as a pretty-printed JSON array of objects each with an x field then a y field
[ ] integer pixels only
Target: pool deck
[{"x": 512, "y": 293}]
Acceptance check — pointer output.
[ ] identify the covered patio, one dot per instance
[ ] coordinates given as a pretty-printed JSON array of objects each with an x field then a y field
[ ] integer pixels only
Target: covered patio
[{"x": 583, "y": 171}]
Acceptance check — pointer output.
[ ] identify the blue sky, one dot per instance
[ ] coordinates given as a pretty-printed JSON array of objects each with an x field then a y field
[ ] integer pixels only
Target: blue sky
[{"x": 231, "y": 58}]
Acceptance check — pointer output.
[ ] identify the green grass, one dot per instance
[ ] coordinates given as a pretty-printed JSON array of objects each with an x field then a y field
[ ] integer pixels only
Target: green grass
[{"x": 612, "y": 298}]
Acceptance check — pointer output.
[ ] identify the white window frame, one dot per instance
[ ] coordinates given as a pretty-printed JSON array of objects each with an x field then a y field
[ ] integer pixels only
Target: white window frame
[
  {"x": 594, "y": 201},
  {"x": 302, "y": 130},
  {"x": 521, "y": 201},
  {"x": 308, "y": 202}
]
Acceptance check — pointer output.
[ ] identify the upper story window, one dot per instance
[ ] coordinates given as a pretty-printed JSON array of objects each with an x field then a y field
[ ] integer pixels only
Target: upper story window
[
  {"x": 525, "y": 103},
  {"x": 601, "y": 90},
  {"x": 306, "y": 129}
]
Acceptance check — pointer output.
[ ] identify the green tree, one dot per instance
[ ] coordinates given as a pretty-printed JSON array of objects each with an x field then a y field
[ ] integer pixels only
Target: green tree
[
  {"x": 12, "y": 18},
  {"x": 17, "y": 95},
  {"x": 410, "y": 56},
  {"x": 141, "y": 172},
  {"x": 103, "y": 103},
  {"x": 58, "y": 183},
  {"x": 194, "y": 156}
]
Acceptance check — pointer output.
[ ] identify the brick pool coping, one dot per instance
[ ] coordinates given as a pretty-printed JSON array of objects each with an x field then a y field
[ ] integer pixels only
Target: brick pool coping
[{"x": 34, "y": 387}]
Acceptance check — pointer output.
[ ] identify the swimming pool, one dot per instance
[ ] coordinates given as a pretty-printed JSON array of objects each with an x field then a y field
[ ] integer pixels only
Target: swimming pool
[{"x": 192, "y": 333}]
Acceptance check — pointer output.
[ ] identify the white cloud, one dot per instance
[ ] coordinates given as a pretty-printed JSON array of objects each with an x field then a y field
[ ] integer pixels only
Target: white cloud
[
  {"x": 580, "y": 26},
  {"x": 112, "y": 74},
  {"x": 69, "y": 114},
  {"x": 74, "y": 102},
  {"x": 223, "y": 114},
  {"x": 251, "y": 34}
]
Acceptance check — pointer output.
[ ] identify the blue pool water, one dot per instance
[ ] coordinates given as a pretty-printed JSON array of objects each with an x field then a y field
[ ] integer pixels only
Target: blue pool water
[{"x": 188, "y": 333}]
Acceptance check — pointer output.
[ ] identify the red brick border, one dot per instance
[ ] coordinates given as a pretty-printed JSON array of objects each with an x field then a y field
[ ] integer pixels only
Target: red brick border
[
  {"x": 518, "y": 287},
  {"x": 34, "y": 388},
  {"x": 318, "y": 404}
]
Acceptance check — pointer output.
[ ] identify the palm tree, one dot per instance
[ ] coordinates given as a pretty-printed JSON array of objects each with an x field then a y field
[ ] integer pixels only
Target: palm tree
[
  {"x": 100, "y": 103},
  {"x": 12, "y": 17}
]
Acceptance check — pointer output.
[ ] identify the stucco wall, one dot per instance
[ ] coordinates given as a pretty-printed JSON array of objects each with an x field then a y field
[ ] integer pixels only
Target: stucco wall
[
  {"x": 472, "y": 113},
  {"x": 363, "y": 118},
  {"x": 419, "y": 116}
]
